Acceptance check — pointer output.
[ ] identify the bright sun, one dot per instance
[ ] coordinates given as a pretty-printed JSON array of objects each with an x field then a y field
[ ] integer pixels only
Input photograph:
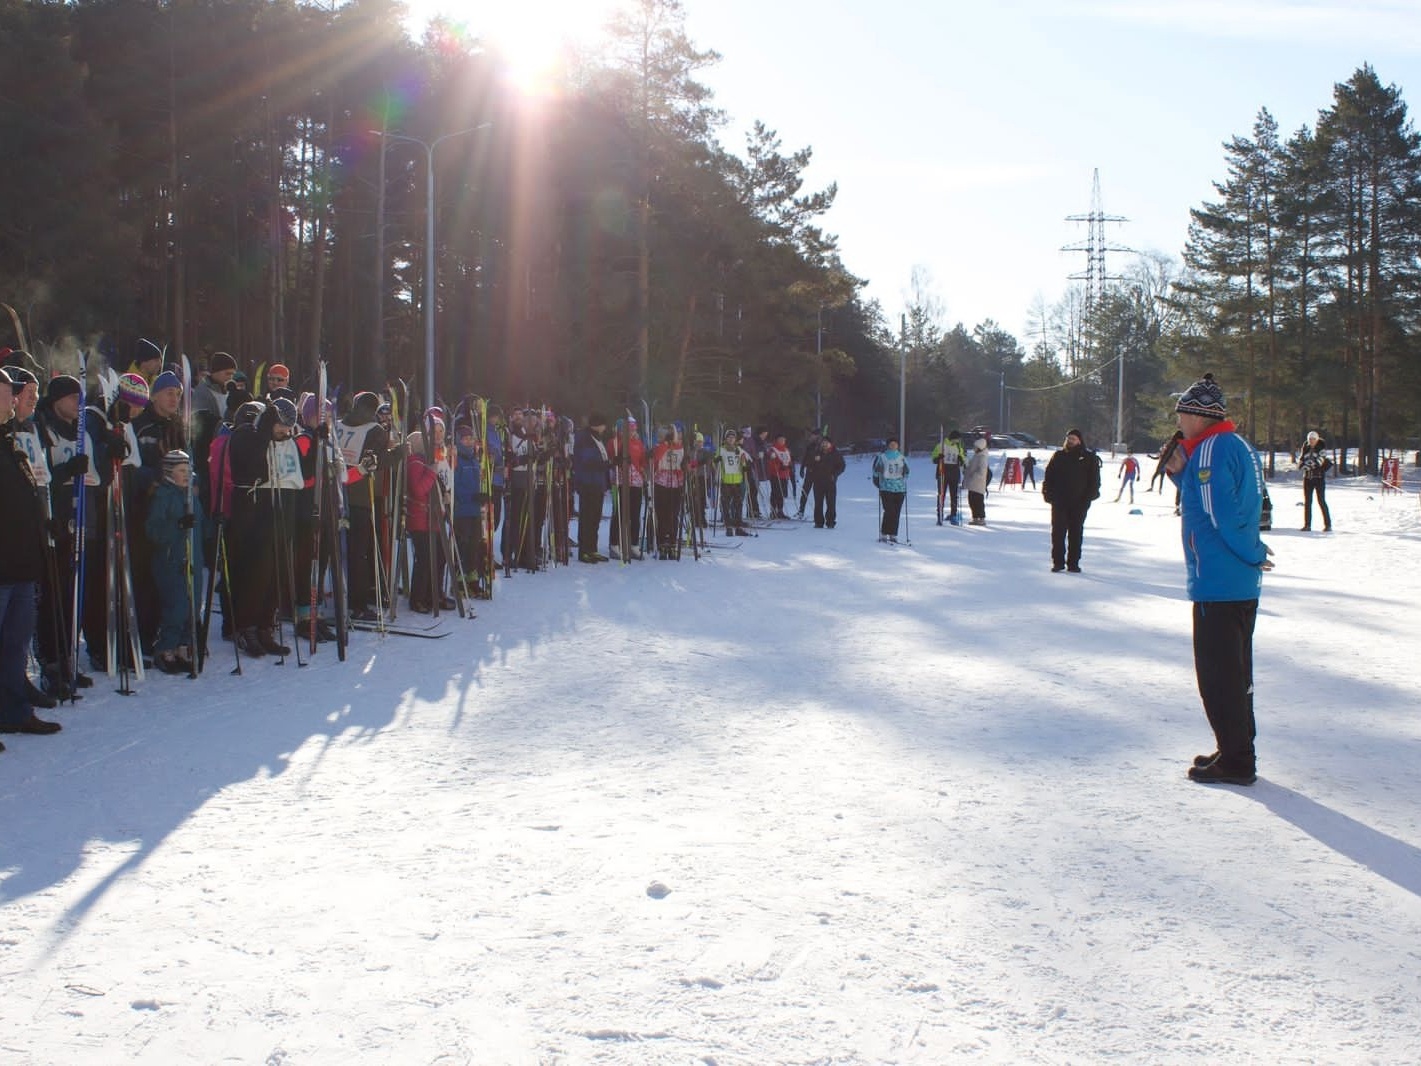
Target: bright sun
[{"x": 531, "y": 34}]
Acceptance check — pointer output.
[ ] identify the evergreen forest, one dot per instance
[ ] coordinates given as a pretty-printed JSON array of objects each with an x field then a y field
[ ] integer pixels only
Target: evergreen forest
[{"x": 254, "y": 176}]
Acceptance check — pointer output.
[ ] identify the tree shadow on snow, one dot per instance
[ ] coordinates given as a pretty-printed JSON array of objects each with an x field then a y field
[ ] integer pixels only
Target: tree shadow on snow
[{"x": 126, "y": 774}]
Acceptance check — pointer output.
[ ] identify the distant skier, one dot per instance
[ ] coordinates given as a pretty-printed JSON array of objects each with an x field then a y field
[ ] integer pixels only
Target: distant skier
[
  {"x": 949, "y": 458},
  {"x": 890, "y": 474},
  {"x": 1129, "y": 470}
]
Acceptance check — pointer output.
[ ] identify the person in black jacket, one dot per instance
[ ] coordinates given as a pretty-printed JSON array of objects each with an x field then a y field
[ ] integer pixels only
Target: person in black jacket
[
  {"x": 589, "y": 477},
  {"x": 21, "y": 565},
  {"x": 822, "y": 474},
  {"x": 1071, "y": 482},
  {"x": 1314, "y": 463}
]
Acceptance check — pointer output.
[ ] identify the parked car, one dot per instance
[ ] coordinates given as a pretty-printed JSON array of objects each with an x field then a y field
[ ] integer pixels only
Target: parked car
[
  {"x": 867, "y": 446},
  {"x": 1001, "y": 440},
  {"x": 1027, "y": 440}
]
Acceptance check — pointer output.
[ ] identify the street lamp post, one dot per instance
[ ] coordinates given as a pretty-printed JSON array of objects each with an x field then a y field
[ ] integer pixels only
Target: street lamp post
[{"x": 430, "y": 269}]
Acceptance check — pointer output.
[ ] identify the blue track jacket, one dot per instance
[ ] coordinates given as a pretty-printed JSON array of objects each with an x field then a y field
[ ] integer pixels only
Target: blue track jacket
[{"x": 1221, "y": 505}]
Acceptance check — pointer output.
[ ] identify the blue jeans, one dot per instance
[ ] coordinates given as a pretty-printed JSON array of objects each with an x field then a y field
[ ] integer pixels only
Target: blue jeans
[{"x": 17, "y": 629}]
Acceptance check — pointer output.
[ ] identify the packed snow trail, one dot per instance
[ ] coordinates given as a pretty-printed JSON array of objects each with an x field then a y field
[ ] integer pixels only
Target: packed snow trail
[{"x": 911, "y": 805}]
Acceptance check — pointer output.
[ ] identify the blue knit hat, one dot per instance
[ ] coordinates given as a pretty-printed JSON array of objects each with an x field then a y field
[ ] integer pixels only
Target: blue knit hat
[{"x": 166, "y": 380}]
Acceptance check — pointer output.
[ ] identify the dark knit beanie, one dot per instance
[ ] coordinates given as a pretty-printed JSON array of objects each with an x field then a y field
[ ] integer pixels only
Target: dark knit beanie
[
  {"x": 1204, "y": 398},
  {"x": 62, "y": 386}
]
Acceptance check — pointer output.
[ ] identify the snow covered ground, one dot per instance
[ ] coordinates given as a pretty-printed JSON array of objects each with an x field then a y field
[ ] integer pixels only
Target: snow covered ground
[{"x": 912, "y": 805}]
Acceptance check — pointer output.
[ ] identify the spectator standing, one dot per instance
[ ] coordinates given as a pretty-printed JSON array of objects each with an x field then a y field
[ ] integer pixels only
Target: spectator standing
[
  {"x": 823, "y": 476},
  {"x": 976, "y": 476},
  {"x": 1220, "y": 479},
  {"x": 1071, "y": 482},
  {"x": 1315, "y": 465}
]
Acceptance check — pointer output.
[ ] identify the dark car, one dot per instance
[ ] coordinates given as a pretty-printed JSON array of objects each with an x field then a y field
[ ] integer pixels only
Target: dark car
[
  {"x": 868, "y": 446},
  {"x": 1027, "y": 440}
]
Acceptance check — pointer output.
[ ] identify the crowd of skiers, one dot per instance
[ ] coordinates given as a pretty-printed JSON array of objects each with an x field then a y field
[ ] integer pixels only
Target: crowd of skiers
[{"x": 144, "y": 506}]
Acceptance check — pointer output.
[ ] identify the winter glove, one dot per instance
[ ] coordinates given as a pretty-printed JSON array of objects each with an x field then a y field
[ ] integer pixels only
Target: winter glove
[
  {"x": 323, "y": 432},
  {"x": 78, "y": 466},
  {"x": 118, "y": 446},
  {"x": 369, "y": 463},
  {"x": 187, "y": 521}
]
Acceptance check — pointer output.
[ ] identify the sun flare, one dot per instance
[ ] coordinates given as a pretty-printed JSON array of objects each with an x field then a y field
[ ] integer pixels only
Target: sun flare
[{"x": 532, "y": 36}]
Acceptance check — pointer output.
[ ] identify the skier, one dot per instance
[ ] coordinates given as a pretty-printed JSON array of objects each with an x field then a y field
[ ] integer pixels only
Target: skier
[
  {"x": 468, "y": 508},
  {"x": 365, "y": 446},
  {"x": 779, "y": 467},
  {"x": 590, "y": 479},
  {"x": 628, "y": 470},
  {"x": 21, "y": 564},
  {"x": 732, "y": 461},
  {"x": 172, "y": 531},
  {"x": 890, "y": 475},
  {"x": 1129, "y": 470},
  {"x": 250, "y": 543},
  {"x": 421, "y": 482},
  {"x": 949, "y": 459},
  {"x": 1028, "y": 470},
  {"x": 56, "y": 432},
  {"x": 668, "y": 466}
]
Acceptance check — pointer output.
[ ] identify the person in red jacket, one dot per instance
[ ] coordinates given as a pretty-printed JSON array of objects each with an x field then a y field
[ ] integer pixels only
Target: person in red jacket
[
  {"x": 779, "y": 465},
  {"x": 420, "y": 480}
]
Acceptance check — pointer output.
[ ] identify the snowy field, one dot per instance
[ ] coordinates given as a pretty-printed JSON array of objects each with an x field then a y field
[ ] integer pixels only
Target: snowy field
[{"x": 903, "y": 805}]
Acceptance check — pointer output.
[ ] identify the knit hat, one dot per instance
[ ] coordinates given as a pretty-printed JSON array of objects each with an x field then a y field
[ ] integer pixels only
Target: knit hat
[
  {"x": 174, "y": 459},
  {"x": 1073, "y": 432},
  {"x": 248, "y": 413},
  {"x": 166, "y": 380},
  {"x": 365, "y": 401},
  {"x": 133, "y": 390},
  {"x": 1203, "y": 398},
  {"x": 1314, "y": 436},
  {"x": 62, "y": 386},
  {"x": 219, "y": 362},
  {"x": 285, "y": 410},
  {"x": 980, "y": 444},
  {"x": 20, "y": 377},
  {"x": 280, "y": 369}
]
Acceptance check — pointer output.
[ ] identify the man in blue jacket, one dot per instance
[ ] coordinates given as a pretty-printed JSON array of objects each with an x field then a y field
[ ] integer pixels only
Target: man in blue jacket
[{"x": 1220, "y": 479}]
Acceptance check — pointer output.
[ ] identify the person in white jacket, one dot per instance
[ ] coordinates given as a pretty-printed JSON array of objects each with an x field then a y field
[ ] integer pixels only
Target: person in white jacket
[{"x": 977, "y": 474}]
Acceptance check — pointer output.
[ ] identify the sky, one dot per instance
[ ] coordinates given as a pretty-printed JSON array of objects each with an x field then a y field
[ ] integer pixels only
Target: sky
[
  {"x": 961, "y": 135},
  {"x": 812, "y": 799}
]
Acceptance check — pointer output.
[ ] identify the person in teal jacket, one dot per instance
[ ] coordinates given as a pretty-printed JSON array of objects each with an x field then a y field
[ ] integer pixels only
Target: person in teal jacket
[
  {"x": 1220, "y": 481},
  {"x": 172, "y": 530},
  {"x": 890, "y": 474}
]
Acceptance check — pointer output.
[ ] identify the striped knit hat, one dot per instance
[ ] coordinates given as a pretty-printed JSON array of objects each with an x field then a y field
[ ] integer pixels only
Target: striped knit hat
[{"x": 133, "y": 390}]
